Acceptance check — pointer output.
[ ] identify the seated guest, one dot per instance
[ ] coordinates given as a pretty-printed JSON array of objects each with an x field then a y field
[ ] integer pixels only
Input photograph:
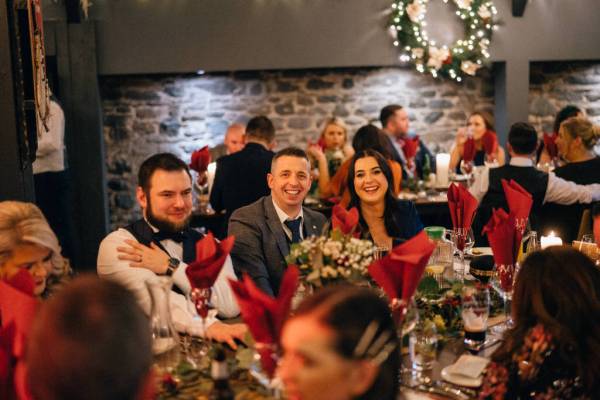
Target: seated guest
[
  {"x": 28, "y": 242},
  {"x": 564, "y": 114},
  {"x": 330, "y": 152},
  {"x": 265, "y": 229},
  {"x": 478, "y": 124},
  {"x": 383, "y": 218},
  {"x": 241, "y": 178},
  {"x": 394, "y": 123},
  {"x": 91, "y": 341},
  {"x": 576, "y": 140},
  {"x": 543, "y": 187},
  {"x": 340, "y": 344},
  {"x": 232, "y": 143},
  {"x": 367, "y": 137},
  {"x": 161, "y": 243},
  {"x": 552, "y": 351}
]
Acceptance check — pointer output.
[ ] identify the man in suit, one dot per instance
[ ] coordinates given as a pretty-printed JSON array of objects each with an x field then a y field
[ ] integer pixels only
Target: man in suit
[
  {"x": 241, "y": 178},
  {"x": 394, "y": 123},
  {"x": 161, "y": 243},
  {"x": 543, "y": 187},
  {"x": 265, "y": 229},
  {"x": 232, "y": 143}
]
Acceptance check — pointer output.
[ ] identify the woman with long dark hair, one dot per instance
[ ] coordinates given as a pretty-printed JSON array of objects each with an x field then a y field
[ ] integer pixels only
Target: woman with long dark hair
[
  {"x": 383, "y": 218},
  {"x": 341, "y": 344},
  {"x": 553, "y": 350}
]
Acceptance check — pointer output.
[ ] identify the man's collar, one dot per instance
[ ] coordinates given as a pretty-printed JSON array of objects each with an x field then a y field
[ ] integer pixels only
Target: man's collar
[
  {"x": 521, "y": 161},
  {"x": 282, "y": 215}
]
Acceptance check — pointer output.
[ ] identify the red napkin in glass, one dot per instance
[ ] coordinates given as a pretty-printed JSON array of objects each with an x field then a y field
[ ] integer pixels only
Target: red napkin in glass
[
  {"x": 550, "y": 144},
  {"x": 345, "y": 221},
  {"x": 264, "y": 314},
  {"x": 200, "y": 160},
  {"x": 17, "y": 312},
  {"x": 596, "y": 230},
  {"x": 519, "y": 203},
  {"x": 210, "y": 257},
  {"x": 399, "y": 272},
  {"x": 462, "y": 206},
  {"x": 502, "y": 236},
  {"x": 490, "y": 142},
  {"x": 469, "y": 150},
  {"x": 410, "y": 146}
]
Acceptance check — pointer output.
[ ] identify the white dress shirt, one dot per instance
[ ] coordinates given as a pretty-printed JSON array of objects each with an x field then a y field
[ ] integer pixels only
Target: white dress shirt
[
  {"x": 182, "y": 312},
  {"x": 558, "y": 191},
  {"x": 284, "y": 217}
]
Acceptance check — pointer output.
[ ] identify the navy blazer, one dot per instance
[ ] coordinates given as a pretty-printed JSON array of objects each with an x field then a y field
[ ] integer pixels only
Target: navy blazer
[{"x": 407, "y": 221}]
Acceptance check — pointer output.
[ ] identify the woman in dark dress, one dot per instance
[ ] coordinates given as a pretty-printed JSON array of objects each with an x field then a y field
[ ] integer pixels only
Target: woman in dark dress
[
  {"x": 577, "y": 137},
  {"x": 553, "y": 350},
  {"x": 383, "y": 218}
]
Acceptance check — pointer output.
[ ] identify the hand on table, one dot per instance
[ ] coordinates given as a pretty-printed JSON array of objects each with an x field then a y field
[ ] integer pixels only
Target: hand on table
[
  {"x": 227, "y": 333},
  {"x": 140, "y": 256}
]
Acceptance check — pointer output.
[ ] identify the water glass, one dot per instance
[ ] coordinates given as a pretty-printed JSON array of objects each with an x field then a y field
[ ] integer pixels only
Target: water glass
[
  {"x": 475, "y": 313},
  {"x": 423, "y": 345}
]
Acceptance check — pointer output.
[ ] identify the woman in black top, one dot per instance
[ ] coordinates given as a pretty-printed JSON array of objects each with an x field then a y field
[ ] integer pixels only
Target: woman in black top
[{"x": 577, "y": 137}]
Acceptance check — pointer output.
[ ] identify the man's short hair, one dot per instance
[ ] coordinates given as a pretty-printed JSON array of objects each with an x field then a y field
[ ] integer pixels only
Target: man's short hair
[
  {"x": 290, "y": 152},
  {"x": 522, "y": 138},
  {"x": 91, "y": 341},
  {"x": 261, "y": 128},
  {"x": 165, "y": 161},
  {"x": 387, "y": 112}
]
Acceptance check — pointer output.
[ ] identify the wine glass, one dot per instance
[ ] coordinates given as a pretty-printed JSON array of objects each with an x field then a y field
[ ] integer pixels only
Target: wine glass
[
  {"x": 463, "y": 241},
  {"x": 466, "y": 167},
  {"x": 503, "y": 282},
  {"x": 264, "y": 365},
  {"x": 199, "y": 305},
  {"x": 423, "y": 345}
]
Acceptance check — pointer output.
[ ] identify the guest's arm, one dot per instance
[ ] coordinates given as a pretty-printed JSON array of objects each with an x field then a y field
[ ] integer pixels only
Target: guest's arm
[
  {"x": 480, "y": 184},
  {"x": 500, "y": 156},
  {"x": 247, "y": 253},
  {"x": 222, "y": 297},
  {"x": 565, "y": 192},
  {"x": 216, "y": 192},
  {"x": 324, "y": 178}
]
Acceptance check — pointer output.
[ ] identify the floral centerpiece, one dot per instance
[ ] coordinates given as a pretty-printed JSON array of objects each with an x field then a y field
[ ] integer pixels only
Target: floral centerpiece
[{"x": 339, "y": 256}]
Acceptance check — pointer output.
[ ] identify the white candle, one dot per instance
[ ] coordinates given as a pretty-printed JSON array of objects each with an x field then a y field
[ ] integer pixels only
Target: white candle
[
  {"x": 550, "y": 240},
  {"x": 442, "y": 162},
  {"x": 210, "y": 173}
]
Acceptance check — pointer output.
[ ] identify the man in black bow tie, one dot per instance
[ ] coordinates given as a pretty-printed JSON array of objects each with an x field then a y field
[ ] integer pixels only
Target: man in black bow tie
[{"x": 161, "y": 243}]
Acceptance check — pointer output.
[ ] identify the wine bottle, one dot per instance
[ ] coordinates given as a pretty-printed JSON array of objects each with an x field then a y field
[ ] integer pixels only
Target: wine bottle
[{"x": 220, "y": 376}]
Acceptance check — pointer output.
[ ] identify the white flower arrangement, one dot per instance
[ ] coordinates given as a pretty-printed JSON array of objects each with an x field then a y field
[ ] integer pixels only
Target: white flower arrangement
[{"x": 334, "y": 258}]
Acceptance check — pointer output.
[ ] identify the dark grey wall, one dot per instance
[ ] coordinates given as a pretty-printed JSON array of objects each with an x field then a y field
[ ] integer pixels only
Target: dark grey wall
[{"x": 157, "y": 36}]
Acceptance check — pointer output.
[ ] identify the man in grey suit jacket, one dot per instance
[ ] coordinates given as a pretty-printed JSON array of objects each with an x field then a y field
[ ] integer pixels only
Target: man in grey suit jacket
[{"x": 265, "y": 229}]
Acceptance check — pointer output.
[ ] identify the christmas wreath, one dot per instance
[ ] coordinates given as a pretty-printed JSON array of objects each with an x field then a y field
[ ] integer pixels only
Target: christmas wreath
[{"x": 464, "y": 57}]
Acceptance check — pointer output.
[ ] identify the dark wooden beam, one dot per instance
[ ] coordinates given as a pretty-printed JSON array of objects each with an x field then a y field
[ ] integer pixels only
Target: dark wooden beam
[{"x": 518, "y": 7}]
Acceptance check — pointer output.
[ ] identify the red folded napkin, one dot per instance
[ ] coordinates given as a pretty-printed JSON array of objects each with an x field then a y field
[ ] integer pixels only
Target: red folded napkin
[
  {"x": 550, "y": 144},
  {"x": 519, "y": 203},
  {"x": 502, "y": 236},
  {"x": 17, "y": 312},
  {"x": 210, "y": 257},
  {"x": 410, "y": 146},
  {"x": 200, "y": 160},
  {"x": 399, "y": 272},
  {"x": 490, "y": 142},
  {"x": 345, "y": 221},
  {"x": 596, "y": 230},
  {"x": 264, "y": 314},
  {"x": 462, "y": 206},
  {"x": 469, "y": 150}
]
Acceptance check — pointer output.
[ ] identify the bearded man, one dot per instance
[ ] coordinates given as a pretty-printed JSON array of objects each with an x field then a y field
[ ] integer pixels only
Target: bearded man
[{"x": 161, "y": 243}]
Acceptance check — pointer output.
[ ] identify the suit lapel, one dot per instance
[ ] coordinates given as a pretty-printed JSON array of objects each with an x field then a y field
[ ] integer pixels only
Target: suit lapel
[
  {"x": 310, "y": 228},
  {"x": 275, "y": 226}
]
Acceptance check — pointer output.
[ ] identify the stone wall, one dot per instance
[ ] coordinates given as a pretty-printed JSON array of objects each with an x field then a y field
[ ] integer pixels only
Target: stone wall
[
  {"x": 146, "y": 115},
  {"x": 554, "y": 85}
]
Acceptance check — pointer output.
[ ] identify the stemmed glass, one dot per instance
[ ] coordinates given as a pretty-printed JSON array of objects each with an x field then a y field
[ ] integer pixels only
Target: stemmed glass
[
  {"x": 265, "y": 360},
  {"x": 466, "y": 167},
  {"x": 408, "y": 321},
  {"x": 463, "y": 241},
  {"x": 503, "y": 282},
  {"x": 199, "y": 304}
]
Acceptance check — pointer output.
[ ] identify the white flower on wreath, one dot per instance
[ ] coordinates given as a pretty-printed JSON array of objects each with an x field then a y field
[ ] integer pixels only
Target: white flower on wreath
[
  {"x": 469, "y": 67},
  {"x": 464, "y": 4},
  {"x": 437, "y": 57},
  {"x": 484, "y": 12},
  {"x": 415, "y": 10},
  {"x": 418, "y": 52}
]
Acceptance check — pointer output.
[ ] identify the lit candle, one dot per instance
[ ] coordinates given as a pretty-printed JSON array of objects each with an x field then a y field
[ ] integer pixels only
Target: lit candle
[
  {"x": 442, "y": 163},
  {"x": 550, "y": 240},
  {"x": 210, "y": 172}
]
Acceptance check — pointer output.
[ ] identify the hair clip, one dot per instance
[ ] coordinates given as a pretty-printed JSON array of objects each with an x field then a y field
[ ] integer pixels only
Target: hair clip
[{"x": 373, "y": 347}]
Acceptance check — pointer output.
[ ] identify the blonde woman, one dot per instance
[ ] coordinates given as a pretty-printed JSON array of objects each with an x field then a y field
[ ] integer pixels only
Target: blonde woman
[
  {"x": 577, "y": 137},
  {"x": 330, "y": 152},
  {"x": 27, "y": 242}
]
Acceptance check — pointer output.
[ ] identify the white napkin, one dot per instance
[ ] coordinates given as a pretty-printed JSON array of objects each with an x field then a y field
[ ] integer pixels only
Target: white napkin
[{"x": 469, "y": 366}]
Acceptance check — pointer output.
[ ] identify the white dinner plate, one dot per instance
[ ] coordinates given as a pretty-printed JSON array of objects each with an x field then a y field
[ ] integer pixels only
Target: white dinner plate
[{"x": 460, "y": 380}]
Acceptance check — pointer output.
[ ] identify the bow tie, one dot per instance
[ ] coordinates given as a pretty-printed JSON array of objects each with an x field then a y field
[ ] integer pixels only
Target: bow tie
[{"x": 174, "y": 236}]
